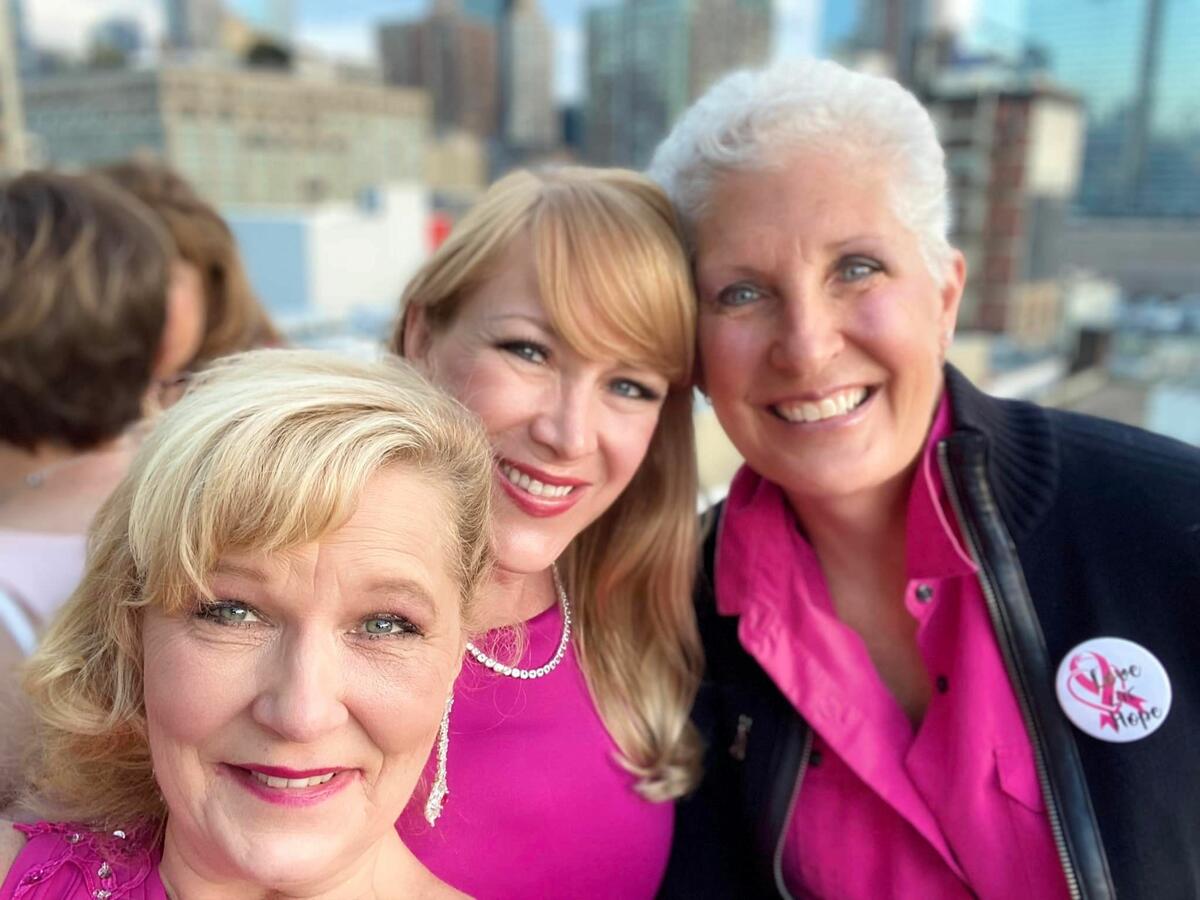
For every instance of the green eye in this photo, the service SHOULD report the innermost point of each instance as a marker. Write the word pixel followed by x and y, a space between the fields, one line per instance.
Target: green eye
pixel 380 626
pixel 227 612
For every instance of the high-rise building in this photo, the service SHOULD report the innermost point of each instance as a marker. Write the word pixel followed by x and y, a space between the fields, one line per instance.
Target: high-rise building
pixel 1013 147
pixel 193 25
pixel 911 39
pixel 120 36
pixel 243 137
pixel 12 120
pixel 27 55
pixel 490 11
pixel 1136 63
pixel 726 35
pixel 527 78
pixel 648 59
pixel 453 57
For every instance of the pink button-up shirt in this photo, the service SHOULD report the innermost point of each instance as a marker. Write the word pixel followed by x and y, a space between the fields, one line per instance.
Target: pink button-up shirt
pixel 949 809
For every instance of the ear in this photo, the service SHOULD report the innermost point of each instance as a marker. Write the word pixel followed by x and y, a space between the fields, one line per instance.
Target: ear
pixel 184 323
pixel 950 296
pixel 416 337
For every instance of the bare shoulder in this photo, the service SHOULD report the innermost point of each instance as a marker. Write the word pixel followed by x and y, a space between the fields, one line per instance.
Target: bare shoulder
pixel 11 842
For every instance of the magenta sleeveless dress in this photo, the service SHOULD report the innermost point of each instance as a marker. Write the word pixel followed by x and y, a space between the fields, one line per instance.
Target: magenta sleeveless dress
pixel 64 861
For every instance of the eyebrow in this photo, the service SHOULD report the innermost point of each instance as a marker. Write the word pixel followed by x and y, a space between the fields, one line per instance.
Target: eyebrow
pixel 404 587
pixel 868 237
pixel 248 572
pixel 537 321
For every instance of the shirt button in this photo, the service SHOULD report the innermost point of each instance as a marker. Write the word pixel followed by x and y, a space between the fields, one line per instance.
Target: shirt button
pixel 814 758
pixel 943 684
pixel 924 593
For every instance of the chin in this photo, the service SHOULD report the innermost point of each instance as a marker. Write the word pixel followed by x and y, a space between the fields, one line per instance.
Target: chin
pixel 524 552
pixel 280 861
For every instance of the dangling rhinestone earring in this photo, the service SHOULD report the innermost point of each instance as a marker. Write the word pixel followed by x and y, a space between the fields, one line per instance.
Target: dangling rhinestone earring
pixel 437 794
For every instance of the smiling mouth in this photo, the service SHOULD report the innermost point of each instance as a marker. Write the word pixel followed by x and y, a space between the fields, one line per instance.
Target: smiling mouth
pixel 532 486
pixel 291 783
pixel 833 406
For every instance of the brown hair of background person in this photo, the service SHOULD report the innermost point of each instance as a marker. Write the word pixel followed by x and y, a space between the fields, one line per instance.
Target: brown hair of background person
pixel 84 273
pixel 235 320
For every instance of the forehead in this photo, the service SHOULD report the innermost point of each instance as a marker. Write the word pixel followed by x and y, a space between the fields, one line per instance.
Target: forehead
pixel 814 194
pixel 397 538
pixel 597 321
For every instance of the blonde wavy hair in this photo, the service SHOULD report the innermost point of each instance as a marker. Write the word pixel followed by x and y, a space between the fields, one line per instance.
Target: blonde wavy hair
pixel 270 449
pixel 615 282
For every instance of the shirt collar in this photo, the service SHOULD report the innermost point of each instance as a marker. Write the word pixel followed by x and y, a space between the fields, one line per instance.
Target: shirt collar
pixel 757 535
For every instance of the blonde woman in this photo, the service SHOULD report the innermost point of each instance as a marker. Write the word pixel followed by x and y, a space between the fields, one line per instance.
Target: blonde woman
pixel 560 312
pixel 239 699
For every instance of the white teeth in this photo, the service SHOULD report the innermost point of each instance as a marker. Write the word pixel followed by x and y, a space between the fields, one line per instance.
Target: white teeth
pixel 532 485
pixel 838 404
pixel 272 781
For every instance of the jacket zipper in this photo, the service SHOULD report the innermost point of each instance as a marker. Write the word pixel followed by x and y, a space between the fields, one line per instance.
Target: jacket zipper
pixel 777 864
pixel 995 614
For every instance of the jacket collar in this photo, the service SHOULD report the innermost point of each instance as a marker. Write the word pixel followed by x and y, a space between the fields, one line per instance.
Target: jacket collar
pixel 1020 448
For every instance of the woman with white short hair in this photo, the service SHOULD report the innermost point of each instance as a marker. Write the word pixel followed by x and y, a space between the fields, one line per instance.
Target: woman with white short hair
pixel 950 639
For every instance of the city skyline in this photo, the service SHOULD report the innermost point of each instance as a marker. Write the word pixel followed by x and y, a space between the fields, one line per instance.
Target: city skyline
pixel 346 29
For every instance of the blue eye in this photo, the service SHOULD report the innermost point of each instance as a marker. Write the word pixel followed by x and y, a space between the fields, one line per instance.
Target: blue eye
pixel 738 295
pixel 377 627
pixel 227 612
pixel 626 387
pixel 857 268
pixel 526 350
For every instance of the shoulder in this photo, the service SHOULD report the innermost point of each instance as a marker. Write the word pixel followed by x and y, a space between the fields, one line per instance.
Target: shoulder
pixel 12 842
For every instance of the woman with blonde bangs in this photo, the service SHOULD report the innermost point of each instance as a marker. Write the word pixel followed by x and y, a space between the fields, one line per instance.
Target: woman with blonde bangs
pixel 240 698
pixel 560 312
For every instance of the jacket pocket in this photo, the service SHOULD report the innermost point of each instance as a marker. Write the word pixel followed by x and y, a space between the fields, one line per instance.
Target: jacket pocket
pixel 1017 775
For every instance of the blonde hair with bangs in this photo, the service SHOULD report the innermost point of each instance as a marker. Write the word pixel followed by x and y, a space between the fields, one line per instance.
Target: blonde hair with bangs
pixel 614 280
pixel 270 449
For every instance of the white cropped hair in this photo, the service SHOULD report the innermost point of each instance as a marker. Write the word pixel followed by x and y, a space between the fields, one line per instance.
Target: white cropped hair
pixel 751 119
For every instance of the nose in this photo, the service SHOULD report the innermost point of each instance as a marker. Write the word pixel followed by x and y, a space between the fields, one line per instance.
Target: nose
pixel 809 333
pixel 566 423
pixel 301 696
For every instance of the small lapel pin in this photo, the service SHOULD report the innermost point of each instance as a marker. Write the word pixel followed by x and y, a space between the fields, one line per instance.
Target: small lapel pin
pixel 738 748
pixel 1113 689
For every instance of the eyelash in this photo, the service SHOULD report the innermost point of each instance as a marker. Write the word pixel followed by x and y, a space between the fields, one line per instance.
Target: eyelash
pixel 640 391
pixel 872 266
pixel 210 612
pixel 843 265
pixel 525 349
pixel 723 296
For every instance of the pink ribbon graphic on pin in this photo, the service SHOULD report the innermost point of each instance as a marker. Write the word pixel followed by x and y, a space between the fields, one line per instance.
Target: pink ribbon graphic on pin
pixel 1102 686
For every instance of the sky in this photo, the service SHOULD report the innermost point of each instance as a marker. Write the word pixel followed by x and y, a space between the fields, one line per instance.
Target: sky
pixel 345 28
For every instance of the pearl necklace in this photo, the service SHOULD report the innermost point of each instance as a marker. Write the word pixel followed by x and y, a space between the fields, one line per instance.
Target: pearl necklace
pixel 512 671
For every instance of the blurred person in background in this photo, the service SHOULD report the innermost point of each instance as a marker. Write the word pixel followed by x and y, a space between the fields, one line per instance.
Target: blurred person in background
pixel 85 334
pixel 239 699
pixel 559 310
pixel 950 639
pixel 208 266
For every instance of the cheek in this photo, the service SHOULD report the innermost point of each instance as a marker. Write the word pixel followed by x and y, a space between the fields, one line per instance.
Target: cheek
pixel 900 330
pixel 629 446
pixel 190 699
pixel 728 351
pixel 488 389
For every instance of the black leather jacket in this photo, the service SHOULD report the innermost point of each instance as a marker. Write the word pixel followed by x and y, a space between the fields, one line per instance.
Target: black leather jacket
pixel 1081 528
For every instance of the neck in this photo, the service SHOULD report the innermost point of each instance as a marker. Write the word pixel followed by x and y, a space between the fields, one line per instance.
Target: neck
pixel 16 464
pixel 864 528
pixel 384 869
pixel 514 597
